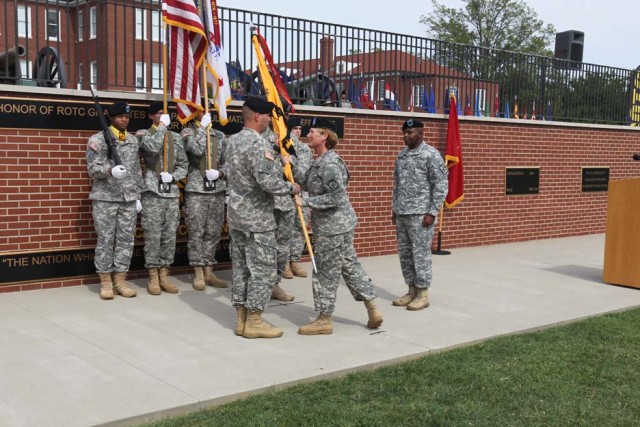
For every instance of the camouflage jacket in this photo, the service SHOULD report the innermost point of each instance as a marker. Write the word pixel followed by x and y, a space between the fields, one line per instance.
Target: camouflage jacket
pixel 326 181
pixel 420 181
pixel 195 144
pixel 253 178
pixel 106 187
pixel 152 144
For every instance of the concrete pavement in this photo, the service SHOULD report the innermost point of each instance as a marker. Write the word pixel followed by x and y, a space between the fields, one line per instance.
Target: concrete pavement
pixel 69 359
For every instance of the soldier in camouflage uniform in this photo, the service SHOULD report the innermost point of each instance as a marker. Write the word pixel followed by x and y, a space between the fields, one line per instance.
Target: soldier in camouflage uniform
pixel 304 158
pixel 116 202
pixel 204 205
pixel 253 178
pixel 334 222
pixel 419 188
pixel 161 209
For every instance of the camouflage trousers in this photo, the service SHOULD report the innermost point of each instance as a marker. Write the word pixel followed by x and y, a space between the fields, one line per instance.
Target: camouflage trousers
pixel 284 233
pixel 414 249
pixel 296 247
pixel 253 257
pixel 114 223
pixel 204 219
pixel 160 219
pixel 335 257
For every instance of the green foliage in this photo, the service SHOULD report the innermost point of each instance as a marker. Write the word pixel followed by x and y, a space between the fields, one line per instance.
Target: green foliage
pixel 581 374
pixel 492 24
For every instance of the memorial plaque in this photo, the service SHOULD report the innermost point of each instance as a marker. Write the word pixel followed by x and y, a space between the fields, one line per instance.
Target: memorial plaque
pixel 595 179
pixel 522 181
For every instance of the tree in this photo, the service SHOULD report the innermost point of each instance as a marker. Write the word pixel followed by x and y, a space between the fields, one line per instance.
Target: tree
pixel 494 24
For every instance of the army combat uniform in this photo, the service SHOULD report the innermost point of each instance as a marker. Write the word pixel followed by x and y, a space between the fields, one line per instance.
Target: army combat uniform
pixel 160 210
pixel 204 209
pixel 253 178
pixel 114 200
pixel 419 188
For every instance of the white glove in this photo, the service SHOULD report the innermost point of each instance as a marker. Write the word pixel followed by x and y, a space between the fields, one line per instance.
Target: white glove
pixel 118 172
pixel 166 177
pixel 212 174
pixel 206 120
pixel 138 206
pixel 165 119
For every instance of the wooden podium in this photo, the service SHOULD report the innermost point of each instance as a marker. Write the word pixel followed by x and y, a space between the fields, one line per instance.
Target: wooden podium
pixel 622 239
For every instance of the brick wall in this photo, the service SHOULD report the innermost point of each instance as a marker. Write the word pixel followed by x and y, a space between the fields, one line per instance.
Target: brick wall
pixel 44 205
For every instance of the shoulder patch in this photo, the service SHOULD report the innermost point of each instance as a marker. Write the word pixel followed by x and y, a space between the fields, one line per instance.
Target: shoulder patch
pixel 443 168
pixel 268 155
pixel 333 185
pixel 94 146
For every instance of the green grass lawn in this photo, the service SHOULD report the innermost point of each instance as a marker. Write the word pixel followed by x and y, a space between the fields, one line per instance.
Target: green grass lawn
pixel 583 374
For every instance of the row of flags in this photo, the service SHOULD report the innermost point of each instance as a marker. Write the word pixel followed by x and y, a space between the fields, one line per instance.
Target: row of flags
pixel 194 40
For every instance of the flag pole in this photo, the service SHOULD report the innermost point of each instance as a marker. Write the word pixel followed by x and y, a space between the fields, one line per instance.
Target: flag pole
pixel 164 188
pixel 439 251
pixel 205 87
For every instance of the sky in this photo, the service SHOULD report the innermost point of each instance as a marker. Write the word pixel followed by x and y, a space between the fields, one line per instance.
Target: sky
pixel 610 27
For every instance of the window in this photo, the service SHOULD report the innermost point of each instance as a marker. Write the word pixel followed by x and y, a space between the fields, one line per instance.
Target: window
pixel 80 25
pixel 80 72
pixel 418 96
pixel 93 23
pixel 141 77
pixel 26 69
pixel 24 21
pixel 93 74
pixel 156 78
pixel 141 24
pixel 157 35
pixel 52 22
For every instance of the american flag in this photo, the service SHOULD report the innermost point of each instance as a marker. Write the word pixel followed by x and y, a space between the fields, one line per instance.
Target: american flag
pixel 187 48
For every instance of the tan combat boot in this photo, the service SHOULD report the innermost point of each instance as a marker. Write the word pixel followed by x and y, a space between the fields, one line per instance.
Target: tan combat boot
pixel 279 294
pixel 375 317
pixel 106 286
pixel 166 284
pixel 211 279
pixel 321 326
pixel 255 327
pixel 241 319
pixel 198 279
pixel 287 274
pixel 420 301
pixel 121 287
pixel 405 299
pixel 297 270
pixel 154 282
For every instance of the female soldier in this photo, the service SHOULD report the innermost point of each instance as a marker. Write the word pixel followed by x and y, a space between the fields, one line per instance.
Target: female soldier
pixel 334 222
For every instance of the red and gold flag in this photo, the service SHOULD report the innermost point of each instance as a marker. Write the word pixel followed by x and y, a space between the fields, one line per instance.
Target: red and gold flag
pixel 453 158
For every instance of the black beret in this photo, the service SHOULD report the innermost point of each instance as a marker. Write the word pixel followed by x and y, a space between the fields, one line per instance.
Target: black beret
pixel 155 107
pixel 412 123
pixel 322 123
pixel 118 108
pixel 231 128
pixel 293 122
pixel 259 105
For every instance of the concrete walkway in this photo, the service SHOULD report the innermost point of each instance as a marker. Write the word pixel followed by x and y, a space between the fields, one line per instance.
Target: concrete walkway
pixel 69 359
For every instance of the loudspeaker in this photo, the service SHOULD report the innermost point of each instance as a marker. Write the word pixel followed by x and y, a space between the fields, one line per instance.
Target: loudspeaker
pixel 569 46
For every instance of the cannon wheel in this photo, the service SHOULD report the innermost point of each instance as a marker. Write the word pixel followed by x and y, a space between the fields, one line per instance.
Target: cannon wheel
pixel 48 68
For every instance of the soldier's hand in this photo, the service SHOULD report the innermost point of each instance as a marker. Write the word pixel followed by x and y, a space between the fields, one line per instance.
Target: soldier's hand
pixel 118 172
pixel 165 120
pixel 138 206
pixel 298 200
pixel 206 120
pixel 296 188
pixel 212 174
pixel 285 160
pixel 166 177
pixel 428 220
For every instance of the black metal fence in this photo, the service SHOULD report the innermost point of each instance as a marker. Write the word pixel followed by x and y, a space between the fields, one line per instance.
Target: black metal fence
pixel 117 45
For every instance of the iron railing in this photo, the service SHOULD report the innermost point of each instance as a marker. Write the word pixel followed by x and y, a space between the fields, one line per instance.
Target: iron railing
pixel 115 45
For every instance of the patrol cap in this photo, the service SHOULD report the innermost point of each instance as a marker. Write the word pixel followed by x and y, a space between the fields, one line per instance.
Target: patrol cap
pixel 155 107
pixel 259 105
pixel 118 108
pixel 412 123
pixel 293 122
pixel 322 123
